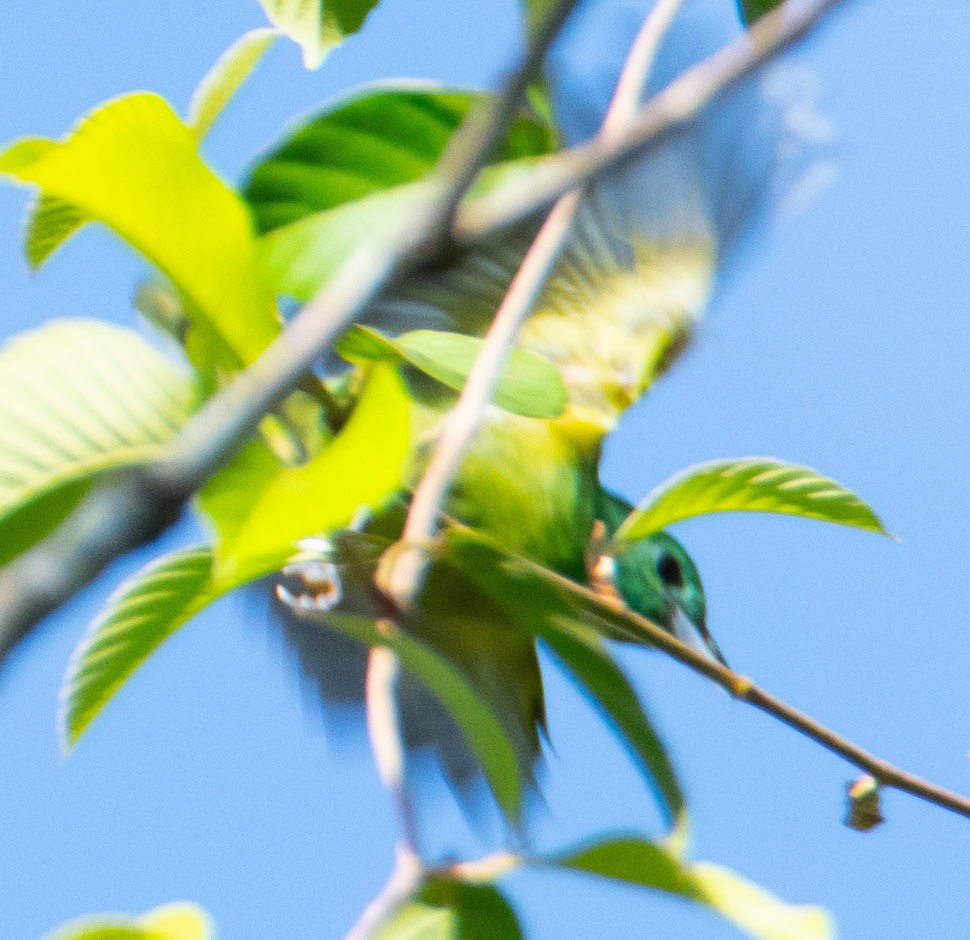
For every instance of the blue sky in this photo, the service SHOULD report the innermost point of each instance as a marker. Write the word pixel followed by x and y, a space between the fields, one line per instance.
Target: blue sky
pixel 841 343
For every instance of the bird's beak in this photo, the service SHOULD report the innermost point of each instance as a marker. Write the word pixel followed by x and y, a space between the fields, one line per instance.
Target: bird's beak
pixel 695 635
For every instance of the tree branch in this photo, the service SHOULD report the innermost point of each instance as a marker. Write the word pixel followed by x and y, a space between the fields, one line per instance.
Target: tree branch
pixel 401 576
pixel 630 627
pixel 144 502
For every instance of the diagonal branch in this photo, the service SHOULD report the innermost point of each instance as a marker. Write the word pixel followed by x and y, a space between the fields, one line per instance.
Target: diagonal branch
pixel 401 576
pixel 142 504
pixel 629 626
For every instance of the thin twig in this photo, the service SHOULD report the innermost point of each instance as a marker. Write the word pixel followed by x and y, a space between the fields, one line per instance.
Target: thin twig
pixel 665 113
pixel 629 626
pixel 143 503
pixel 383 727
pixel 404 880
pixel 402 577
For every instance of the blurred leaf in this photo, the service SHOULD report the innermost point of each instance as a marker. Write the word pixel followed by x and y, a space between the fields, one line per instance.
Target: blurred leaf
pixel 134 166
pixel 260 510
pixel 77 398
pixel 379 138
pixel 482 913
pixel 50 222
pixel 540 607
pixel 749 484
pixel 417 921
pixel 173 922
pixel 752 10
pixel 482 730
pixel 318 25
pixel 300 256
pixel 224 79
pixel 530 385
pixel 746 905
pixel 138 617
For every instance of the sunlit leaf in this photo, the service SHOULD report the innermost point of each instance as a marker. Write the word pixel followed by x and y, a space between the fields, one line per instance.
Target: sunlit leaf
pixel 540 606
pixel 482 730
pixel 261 511
pixel 748 906
pixel 417 921
pixel 381 137
pixel 77 398
pixel 750 484
pixel 141 614
pixel 529 385
pixel 172 922
pixel 318 25
pixel 135 166
pixel 223 80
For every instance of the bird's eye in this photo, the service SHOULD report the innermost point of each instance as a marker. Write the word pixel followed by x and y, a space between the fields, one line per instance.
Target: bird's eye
pixel 669 570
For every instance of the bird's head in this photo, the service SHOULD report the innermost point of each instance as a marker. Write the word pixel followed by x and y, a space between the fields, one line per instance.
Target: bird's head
pixel 657 578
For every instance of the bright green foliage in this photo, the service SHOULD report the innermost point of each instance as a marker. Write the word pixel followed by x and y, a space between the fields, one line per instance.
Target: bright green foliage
pixel 318 25
pixel 142 613
pixel 171 922
pixel 135 166
pixel 482 730
pixel 529 385
pixel 260 509
pixel 77 398
pixel 378 139
pixel 447 909
pixel 224 79
pixel 749 484
pixel 750 908
pixel 754 9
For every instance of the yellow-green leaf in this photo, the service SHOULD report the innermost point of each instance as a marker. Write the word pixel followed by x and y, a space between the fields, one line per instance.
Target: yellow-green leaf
pixel 749 484
pixel 530 385
pixel 749 907
pixel 78 397
pixel 180 921
pixel 133 165
pixel 360 469
pixel 138 617
pixel 224 79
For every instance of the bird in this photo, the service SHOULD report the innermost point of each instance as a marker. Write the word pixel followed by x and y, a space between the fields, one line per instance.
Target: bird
pixel 642 258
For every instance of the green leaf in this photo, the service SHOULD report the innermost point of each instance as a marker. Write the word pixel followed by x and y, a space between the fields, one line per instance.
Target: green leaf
pixel 417 921
pixel 748 906
pixel 138 617
pixel 530 385
pixel 260 510
pixel 50 222
pixel 482 730
pixel 538 605
pixel 749 484
pixel 224 79
pixel 752 10
pixel 482 911
pixel 134 166
pixel 380 138
pixel 77 398
pixel 172 922
pixel 318 25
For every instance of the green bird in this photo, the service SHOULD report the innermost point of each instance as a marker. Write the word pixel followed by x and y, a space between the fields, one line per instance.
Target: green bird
pixel 623 300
